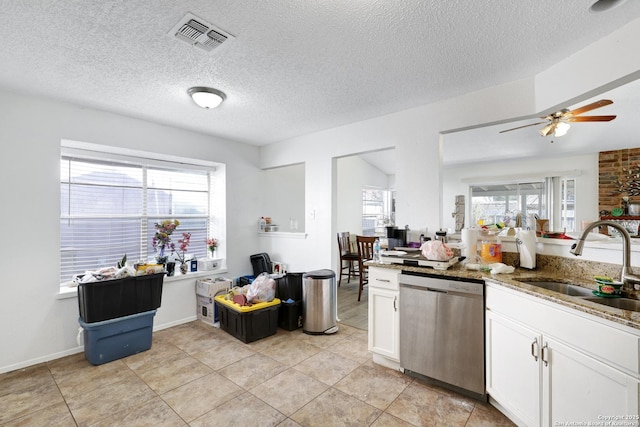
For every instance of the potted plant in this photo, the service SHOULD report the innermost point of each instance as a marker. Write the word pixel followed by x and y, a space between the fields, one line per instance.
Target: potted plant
pixel 162 239
pixel 181 253
pixel 212 244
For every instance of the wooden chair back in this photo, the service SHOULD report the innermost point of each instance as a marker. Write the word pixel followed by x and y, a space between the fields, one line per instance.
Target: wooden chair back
pixel 365 247
pixel 344 243
pixel 365 253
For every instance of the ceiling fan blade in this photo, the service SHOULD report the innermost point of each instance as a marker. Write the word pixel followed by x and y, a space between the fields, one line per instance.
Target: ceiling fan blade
pixel 520 127
pixel 590 107
pixel 590 119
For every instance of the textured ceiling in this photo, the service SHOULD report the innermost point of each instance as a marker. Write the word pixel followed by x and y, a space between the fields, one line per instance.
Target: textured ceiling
pixel 294 67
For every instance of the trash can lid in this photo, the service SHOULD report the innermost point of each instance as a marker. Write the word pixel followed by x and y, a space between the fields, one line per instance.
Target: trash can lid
pixel 320 274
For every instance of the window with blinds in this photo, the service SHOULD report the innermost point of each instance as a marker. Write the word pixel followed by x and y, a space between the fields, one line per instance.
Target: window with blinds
pixel 378 210
pixel 109 208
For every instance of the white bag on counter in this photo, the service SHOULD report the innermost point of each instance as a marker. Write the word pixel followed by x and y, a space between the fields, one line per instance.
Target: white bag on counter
pixel 435 250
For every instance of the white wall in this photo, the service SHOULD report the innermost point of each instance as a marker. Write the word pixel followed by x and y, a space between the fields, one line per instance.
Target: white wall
pixel 586 182
pixel 283 189
pixel 36 325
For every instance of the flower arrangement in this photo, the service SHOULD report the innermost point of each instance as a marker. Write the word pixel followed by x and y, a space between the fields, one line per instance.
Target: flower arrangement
pixel 182 248
pixel 162 239
pixel 212 244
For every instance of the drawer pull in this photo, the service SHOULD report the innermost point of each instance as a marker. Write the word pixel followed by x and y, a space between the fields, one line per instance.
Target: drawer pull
pixel 534 349
pixel 544 354
pixel 383 280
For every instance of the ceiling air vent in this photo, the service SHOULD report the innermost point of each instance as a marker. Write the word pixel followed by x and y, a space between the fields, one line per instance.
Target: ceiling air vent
pixel 198 32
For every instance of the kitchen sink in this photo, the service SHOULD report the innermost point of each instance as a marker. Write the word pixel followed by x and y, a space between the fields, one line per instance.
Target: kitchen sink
pixel 622 303
pixel 563 288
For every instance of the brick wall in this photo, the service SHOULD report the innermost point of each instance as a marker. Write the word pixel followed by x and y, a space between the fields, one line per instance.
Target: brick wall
pixel 617 171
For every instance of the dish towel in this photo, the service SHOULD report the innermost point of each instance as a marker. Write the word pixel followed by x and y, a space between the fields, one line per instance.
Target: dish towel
pixel 500 268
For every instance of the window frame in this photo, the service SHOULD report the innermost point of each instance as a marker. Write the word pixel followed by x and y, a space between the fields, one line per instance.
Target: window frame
pixel 383 219
pixel 554 199
pixel 214 217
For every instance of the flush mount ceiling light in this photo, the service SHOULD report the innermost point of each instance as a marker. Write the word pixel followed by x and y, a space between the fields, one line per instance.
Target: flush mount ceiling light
pixel 206 97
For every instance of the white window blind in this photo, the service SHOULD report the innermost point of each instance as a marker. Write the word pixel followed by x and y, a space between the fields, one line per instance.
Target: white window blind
pixel 109 209
pixel 378 210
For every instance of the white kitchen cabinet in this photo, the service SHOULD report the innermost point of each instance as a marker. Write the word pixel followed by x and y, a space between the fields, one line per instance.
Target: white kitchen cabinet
pixel 513 374
pixel 547 365
pixel 580 388
pixel 384 316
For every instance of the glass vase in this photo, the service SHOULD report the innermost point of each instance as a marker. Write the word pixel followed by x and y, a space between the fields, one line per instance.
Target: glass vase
pixel 171 268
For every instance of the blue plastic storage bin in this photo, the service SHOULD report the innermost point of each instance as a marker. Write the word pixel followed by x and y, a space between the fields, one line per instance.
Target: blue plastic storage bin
pixel 117 338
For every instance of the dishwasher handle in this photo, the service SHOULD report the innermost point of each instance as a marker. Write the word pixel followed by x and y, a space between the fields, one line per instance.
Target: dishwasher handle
pixel 441 291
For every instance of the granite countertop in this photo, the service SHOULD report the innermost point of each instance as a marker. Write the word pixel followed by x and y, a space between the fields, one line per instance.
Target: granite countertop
pixel 515 281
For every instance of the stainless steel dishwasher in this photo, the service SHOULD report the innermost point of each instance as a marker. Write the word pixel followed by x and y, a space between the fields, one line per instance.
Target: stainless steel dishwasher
pixel 442 331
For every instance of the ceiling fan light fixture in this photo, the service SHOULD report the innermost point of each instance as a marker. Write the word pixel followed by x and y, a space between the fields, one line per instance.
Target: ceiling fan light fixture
pixel 545 131
pixel 206 97
pixel 561 129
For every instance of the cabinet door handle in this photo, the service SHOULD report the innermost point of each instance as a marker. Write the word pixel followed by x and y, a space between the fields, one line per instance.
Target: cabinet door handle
pixel 544 354
pixel 383 280
pixel 534 349
pixel 395 307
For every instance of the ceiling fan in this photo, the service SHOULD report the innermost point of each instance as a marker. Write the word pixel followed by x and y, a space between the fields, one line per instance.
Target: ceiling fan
pixel 557 123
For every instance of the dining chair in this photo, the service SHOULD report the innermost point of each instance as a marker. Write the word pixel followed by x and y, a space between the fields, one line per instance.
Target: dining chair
pixel 346 256
pixel 365 253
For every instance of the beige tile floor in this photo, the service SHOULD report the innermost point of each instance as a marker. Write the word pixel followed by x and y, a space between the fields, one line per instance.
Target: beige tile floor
pixel 351 311
pixel 197 375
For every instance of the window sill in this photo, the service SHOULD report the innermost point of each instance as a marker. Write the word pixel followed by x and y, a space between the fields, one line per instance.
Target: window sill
pixel 283 234
pixel 71 291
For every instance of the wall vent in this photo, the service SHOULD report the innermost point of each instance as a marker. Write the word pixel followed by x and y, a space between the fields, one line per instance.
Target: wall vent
pixel 198 32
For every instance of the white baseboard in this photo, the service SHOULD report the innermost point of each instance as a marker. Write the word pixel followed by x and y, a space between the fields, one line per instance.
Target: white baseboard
pixel 174 323
pixel 43 359
pixel 80 349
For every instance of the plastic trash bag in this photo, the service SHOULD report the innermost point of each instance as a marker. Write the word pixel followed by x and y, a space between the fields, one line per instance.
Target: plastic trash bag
pixel 262 289
pixel 435 250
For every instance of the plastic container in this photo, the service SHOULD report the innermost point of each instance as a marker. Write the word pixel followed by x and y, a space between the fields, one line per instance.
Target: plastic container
pixel 111 299
pixel 248 323
pixel 117 338
pixel 289 287
pixel 290 315
pixel 261 263
pixel 245 280
pixel 376 250
pixel 491 249
pixel 262 224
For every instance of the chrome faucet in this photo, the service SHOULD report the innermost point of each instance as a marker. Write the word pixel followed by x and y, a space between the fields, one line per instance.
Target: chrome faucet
pixel 627 277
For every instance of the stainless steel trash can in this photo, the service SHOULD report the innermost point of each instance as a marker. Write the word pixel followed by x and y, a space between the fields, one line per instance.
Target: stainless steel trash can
pixel 319 302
